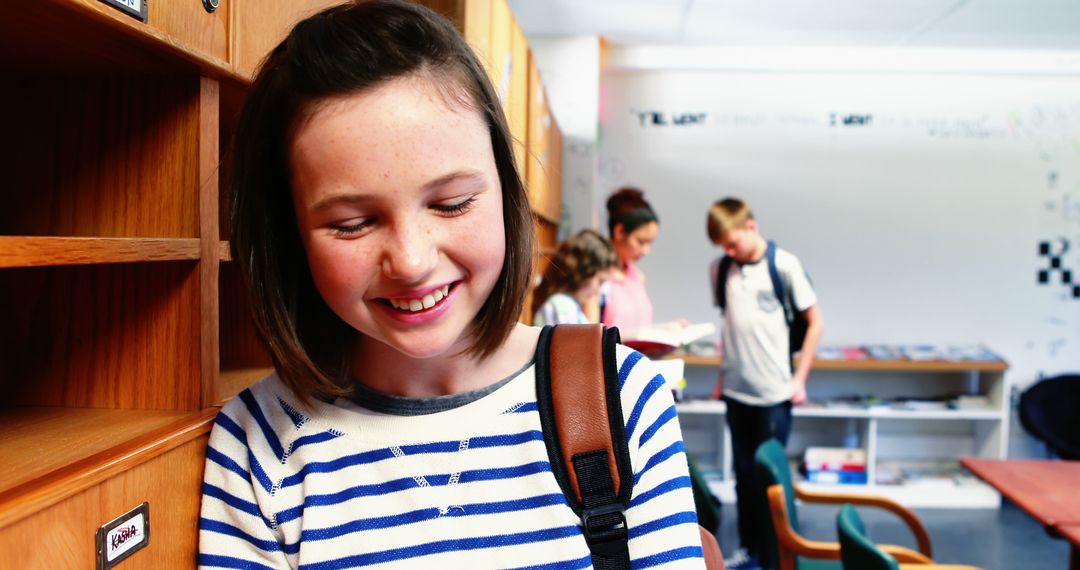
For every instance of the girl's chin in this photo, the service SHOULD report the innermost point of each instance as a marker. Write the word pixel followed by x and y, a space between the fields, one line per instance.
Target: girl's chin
pixel 423 347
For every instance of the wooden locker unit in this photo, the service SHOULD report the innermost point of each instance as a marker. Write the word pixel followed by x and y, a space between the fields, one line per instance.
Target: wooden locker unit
pixel 502 51
pixel 110 269
pixel 553 196
pixel 544 172
pixel 126 322
pixel 476 25
pixel 517 103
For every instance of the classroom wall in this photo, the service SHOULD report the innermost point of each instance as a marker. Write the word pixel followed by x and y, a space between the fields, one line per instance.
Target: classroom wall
pixel 918 198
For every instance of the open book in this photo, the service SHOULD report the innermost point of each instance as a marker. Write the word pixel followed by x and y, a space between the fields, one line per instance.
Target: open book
pixel 659 339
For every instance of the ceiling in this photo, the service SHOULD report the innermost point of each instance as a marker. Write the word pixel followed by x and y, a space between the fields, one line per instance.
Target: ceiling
pixel 978 24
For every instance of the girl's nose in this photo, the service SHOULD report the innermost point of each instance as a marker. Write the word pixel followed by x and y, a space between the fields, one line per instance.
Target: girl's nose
pixel 410 254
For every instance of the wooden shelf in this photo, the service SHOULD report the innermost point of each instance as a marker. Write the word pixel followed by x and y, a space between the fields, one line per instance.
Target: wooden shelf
pixel 876 365
pixel 232 382
pixel 717 407
pixel 89 36
pixel 917 432
pixel 52 453
pixel 32 251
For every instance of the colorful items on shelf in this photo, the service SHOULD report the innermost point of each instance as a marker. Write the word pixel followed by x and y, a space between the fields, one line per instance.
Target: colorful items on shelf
pixel 835 465
pixel 913 352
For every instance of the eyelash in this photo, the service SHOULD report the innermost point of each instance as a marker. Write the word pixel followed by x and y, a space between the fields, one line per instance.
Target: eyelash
pixel 347 231
pixel 456 209
pixel 451 210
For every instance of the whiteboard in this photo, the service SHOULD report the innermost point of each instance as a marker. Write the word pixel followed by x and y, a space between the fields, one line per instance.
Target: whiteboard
pixel 917 202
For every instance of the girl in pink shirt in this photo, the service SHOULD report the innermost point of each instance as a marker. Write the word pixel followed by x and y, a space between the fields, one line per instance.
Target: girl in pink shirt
pixel 633 226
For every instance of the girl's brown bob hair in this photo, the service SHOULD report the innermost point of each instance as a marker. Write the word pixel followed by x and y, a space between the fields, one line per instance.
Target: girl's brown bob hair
pixel 341 51
pixel 580 258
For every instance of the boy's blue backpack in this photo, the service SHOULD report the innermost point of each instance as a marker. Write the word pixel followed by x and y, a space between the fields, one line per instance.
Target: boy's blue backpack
pixel 795 320
pixel 580 408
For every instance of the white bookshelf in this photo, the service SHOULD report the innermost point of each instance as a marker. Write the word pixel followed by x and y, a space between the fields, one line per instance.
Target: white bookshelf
pixel 890 437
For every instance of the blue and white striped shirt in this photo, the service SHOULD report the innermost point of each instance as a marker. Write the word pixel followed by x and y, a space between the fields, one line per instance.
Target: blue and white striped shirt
pixel 339 486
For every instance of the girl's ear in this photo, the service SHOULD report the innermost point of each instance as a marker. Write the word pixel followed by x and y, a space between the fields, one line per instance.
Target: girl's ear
pixel 619 233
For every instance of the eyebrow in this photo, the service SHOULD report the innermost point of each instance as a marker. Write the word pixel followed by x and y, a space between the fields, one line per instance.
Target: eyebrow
pixel 329 202
pixel 473 177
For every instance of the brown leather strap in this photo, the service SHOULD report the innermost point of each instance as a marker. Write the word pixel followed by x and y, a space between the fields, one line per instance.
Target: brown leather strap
pixel 579 401
pixel 578 395
pixel 714 558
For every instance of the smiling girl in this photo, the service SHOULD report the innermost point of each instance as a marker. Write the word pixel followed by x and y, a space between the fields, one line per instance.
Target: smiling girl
pixel 385 239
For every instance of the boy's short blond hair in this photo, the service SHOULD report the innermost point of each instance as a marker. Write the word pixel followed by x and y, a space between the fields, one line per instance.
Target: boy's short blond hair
pixel 726 215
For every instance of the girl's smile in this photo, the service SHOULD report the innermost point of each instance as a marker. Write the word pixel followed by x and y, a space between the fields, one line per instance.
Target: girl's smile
pixel 419 306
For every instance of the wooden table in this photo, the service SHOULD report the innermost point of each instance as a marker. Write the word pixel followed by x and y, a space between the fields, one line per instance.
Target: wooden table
pixel 1045 489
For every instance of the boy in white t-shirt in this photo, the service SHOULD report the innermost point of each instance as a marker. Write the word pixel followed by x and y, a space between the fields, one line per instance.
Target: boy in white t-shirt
pixel 757 379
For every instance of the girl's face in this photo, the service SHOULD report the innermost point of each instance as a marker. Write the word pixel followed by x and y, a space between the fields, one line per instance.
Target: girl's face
pixel 635 245
pixel 399 208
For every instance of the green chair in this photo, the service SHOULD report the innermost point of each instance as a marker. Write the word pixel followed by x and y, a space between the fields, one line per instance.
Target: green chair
pixel 858 553
pixel 786 548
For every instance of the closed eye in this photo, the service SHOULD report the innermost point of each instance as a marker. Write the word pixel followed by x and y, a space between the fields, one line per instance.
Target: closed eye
pixel 351 230
pixel 455 209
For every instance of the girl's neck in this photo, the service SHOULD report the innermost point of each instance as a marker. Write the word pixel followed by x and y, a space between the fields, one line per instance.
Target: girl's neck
pixel 384 369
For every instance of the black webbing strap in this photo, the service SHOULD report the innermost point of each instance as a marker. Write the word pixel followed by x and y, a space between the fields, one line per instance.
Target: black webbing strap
pixel 602 518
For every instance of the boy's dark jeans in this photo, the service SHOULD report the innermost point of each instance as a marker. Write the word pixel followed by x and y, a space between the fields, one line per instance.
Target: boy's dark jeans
pixel 750 427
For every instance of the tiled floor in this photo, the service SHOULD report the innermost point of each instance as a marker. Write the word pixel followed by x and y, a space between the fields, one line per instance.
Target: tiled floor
pixel 1005 539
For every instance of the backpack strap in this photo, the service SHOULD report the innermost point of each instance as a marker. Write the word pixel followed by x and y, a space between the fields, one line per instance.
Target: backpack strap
pixel 777 283
pixel 783 293
pixel 721 282
pixel 581 417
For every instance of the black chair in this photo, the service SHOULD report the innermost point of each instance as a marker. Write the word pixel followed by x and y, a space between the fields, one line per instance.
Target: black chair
pixel 1050 411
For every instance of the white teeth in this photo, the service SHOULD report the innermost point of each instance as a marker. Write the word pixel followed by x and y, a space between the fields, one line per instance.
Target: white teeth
pixel 428 301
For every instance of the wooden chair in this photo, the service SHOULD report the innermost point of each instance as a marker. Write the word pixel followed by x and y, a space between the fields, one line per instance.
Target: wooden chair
pixel 795 552
pixel 858 553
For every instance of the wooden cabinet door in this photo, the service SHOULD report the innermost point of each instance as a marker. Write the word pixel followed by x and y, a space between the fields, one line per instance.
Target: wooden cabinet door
pixel 262 24
pixel 189 23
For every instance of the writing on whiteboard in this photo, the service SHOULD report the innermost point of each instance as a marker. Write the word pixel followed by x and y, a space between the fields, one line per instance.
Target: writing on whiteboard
pixel 662 119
